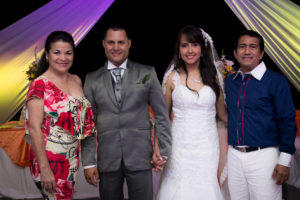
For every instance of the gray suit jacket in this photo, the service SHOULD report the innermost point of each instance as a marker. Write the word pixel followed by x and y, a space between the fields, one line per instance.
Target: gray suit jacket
pixel 124 132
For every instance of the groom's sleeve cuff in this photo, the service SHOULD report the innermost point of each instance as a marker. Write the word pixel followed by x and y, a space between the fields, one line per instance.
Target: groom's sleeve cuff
pixel 88 166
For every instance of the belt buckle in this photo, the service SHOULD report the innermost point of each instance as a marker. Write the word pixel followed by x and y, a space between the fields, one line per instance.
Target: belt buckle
pixel 243 149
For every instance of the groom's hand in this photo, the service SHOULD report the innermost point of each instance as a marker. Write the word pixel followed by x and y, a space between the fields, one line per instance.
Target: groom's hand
pixel 92 176
pixel 157 161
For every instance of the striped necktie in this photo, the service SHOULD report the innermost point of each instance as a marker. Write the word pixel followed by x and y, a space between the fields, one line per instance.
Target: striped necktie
pixel 117 73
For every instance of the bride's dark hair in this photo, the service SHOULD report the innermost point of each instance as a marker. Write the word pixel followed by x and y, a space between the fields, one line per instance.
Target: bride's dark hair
pixel 207 69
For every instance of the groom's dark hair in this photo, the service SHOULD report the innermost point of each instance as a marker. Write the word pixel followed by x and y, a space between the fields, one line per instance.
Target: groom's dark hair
pixel 116 27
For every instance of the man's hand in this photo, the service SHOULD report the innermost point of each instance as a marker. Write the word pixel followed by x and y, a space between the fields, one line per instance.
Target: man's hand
pixel 281 173
pixel 91 175
pixel 157 160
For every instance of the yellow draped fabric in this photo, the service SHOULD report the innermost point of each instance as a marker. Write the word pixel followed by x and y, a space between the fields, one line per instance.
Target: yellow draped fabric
pixel 278 21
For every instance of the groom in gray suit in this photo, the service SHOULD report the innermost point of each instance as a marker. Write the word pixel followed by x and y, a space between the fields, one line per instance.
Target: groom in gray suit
pixel 120 93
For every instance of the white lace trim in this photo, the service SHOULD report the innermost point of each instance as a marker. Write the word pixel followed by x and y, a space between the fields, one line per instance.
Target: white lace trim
pixel 166 76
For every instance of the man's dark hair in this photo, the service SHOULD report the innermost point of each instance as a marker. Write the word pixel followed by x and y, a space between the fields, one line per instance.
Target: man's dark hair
pixel 251 33
pixel 116 27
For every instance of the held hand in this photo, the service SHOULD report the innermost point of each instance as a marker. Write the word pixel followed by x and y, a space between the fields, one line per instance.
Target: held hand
pixel 281 173
pixel 157 160
pixel 156 167
pixel 91 175
pixel 48 180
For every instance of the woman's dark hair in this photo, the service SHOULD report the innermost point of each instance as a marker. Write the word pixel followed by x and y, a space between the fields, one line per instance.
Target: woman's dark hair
pixel 53 37
pixel 207 69
pixel 251 33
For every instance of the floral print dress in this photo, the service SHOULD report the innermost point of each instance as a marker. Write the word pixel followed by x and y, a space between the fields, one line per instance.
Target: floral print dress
pixel 66 121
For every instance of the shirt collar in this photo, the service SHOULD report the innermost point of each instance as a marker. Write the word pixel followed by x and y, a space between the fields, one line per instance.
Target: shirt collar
pixel 111 66
pixel 257 72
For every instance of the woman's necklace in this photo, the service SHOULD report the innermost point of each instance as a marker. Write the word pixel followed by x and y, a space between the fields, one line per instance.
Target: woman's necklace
pixel 62 85
pixel 195 80
pixel 66 86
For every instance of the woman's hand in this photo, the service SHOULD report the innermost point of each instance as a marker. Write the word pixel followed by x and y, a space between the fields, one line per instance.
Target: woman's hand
pixel 47 179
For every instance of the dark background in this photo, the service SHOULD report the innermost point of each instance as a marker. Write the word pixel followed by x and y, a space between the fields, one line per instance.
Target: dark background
pixel 153 27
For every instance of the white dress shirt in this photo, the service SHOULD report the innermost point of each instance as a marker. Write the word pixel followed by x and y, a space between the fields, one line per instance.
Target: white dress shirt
pixel 111 66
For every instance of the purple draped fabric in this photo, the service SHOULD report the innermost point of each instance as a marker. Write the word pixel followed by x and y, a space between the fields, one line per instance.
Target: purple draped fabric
pixel 19 41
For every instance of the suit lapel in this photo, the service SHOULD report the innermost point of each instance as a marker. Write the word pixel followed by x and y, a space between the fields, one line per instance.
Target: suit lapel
pixel 127 80
pixel 109 87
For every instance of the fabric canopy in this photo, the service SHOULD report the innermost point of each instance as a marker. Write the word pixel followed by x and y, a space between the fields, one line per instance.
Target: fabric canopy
pixel 278 21
pixel 19 41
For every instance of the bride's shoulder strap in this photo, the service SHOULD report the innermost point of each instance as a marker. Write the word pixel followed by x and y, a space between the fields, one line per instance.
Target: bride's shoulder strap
pixel 175 77
pixel 171 73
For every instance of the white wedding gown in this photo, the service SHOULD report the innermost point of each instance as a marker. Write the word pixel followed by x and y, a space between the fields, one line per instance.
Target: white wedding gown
pixel 191 171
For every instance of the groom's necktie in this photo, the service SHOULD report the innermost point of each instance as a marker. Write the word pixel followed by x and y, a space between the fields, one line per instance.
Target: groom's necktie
pixel 117 74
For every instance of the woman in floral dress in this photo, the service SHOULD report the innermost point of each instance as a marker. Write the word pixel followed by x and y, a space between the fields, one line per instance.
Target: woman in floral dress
pixel 58 116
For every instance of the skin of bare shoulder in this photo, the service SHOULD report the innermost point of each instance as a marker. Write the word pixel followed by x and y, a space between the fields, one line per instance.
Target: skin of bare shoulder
pixel 75 85
pixel 76 79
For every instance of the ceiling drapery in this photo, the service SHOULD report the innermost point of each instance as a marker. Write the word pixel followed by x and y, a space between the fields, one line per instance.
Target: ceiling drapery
pixel 278 21
pixel 19 41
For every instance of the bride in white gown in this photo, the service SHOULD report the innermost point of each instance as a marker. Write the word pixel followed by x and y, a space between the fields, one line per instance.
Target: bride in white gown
pixel 194 95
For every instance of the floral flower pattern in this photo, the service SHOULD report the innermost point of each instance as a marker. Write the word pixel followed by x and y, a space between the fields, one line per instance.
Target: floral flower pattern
pixel 66 120
pixel 225 66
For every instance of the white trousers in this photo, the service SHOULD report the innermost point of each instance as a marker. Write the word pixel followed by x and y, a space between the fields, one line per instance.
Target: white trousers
pixel 250 174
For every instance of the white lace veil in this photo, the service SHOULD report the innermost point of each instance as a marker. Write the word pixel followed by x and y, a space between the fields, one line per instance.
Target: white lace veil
pixel 212 54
